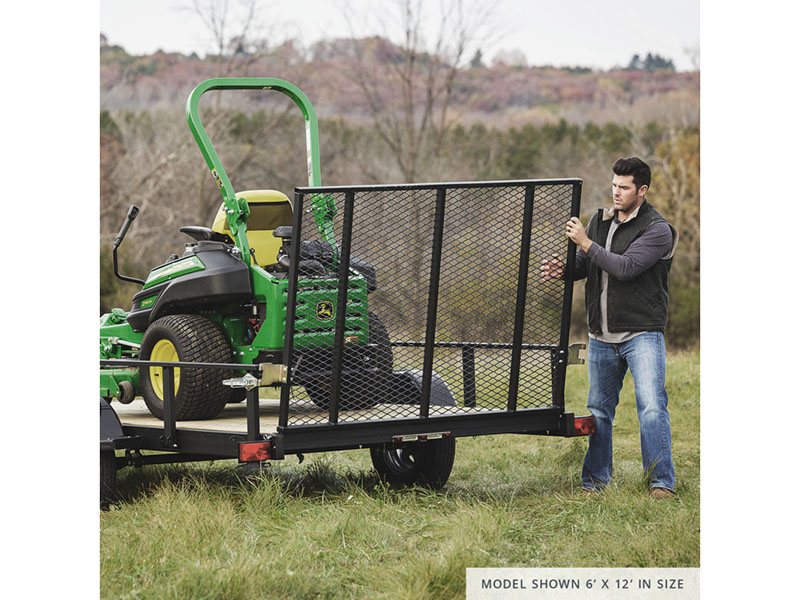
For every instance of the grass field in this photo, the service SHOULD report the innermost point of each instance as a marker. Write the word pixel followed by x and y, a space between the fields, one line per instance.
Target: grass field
pixel 329 529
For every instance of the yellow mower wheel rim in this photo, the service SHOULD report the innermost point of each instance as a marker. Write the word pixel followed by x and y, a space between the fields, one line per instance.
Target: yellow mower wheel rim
pixel 163 351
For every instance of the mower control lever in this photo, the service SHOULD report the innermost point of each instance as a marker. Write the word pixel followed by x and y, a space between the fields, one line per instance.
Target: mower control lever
pixel 133 212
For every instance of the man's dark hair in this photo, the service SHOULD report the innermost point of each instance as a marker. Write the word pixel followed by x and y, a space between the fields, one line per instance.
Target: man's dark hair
pixel 634 166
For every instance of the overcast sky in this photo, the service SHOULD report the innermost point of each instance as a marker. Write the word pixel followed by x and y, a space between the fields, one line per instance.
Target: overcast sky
pixel 596 33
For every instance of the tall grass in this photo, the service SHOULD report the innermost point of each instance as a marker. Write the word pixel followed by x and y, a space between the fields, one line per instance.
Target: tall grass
pixel 330 529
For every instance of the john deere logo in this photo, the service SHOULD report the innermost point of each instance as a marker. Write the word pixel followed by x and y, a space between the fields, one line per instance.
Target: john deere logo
pixel 324 310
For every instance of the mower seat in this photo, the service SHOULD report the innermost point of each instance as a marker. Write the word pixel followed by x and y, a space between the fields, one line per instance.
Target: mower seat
pixel 268 209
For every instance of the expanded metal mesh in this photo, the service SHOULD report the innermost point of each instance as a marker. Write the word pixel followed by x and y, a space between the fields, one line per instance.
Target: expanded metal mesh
pixel 479 246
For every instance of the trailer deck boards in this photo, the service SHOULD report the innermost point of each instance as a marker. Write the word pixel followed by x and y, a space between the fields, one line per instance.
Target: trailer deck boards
pixel 233 418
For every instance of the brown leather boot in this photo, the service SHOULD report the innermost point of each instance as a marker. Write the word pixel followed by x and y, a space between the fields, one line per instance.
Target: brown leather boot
pixel 660 493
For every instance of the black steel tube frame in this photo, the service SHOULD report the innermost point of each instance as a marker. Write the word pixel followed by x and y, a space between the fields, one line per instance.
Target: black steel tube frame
pixel 253 420
pixel 341 303
pixel 135 362
pixel 560 359
pixel 291 298
pixel 210 444
pixel 169 407
pixel 317 438
pixel 468 367
pixel 439 185
pixel 479 345
pixel 165 458
pixel 433 303
pixel 522 289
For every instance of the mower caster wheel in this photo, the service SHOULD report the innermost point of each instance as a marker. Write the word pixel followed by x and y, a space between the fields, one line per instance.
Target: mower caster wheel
pixel 126 392
pixel 237 395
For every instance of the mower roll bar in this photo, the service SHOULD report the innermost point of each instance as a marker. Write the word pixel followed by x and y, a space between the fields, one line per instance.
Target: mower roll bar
pixel 238 210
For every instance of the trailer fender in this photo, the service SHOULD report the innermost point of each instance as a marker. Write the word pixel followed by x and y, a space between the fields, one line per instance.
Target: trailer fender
pixel 110 426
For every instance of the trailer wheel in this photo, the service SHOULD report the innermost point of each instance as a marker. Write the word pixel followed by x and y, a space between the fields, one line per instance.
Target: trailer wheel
pixel 427 463
pixel 361 390
pixel 108 478
pixel 199 393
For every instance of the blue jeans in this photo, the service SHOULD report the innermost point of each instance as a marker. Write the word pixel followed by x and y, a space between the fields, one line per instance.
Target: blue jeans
pixel 645 355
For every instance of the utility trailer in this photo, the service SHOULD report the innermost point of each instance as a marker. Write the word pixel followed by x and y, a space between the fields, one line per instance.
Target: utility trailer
pixel 390 317
pixel 465 338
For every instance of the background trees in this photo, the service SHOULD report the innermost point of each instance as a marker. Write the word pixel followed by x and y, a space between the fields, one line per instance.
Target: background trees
pixel 413 113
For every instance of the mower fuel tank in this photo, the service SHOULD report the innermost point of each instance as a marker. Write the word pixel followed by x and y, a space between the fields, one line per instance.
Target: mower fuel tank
pixel 207 274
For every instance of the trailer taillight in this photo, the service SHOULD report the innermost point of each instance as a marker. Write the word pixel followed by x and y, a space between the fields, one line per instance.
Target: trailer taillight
pixel 255 451
pixel 584 425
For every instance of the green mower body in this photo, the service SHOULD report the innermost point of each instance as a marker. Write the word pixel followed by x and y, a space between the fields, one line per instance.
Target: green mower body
pixel 215 303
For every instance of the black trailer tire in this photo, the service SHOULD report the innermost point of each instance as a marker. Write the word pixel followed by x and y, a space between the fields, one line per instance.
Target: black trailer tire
pixel 108 478
pixel 361 390
pixel 426 463
pixel 200 393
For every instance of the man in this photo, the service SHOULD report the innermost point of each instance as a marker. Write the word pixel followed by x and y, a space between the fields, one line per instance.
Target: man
pixel 625 256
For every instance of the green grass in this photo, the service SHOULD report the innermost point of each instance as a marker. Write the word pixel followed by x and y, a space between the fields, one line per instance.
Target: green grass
pixel 329 529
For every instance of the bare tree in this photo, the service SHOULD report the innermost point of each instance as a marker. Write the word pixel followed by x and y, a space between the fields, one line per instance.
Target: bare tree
pixel 408 86
pixel 217 17
pixel 232 29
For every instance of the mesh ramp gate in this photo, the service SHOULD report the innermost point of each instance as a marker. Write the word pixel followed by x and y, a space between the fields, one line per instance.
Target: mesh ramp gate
pixel 458 322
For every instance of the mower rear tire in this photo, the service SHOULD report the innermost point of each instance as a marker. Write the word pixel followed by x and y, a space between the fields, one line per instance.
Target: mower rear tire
pixel 426 463
pixel 363 389
pixel 199 393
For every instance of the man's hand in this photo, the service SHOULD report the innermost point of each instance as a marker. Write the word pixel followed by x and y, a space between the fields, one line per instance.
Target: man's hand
pixel 577 234
pixel 552 268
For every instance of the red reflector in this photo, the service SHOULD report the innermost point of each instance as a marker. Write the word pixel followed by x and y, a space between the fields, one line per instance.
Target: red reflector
pixel 254 451
pixel 584 425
